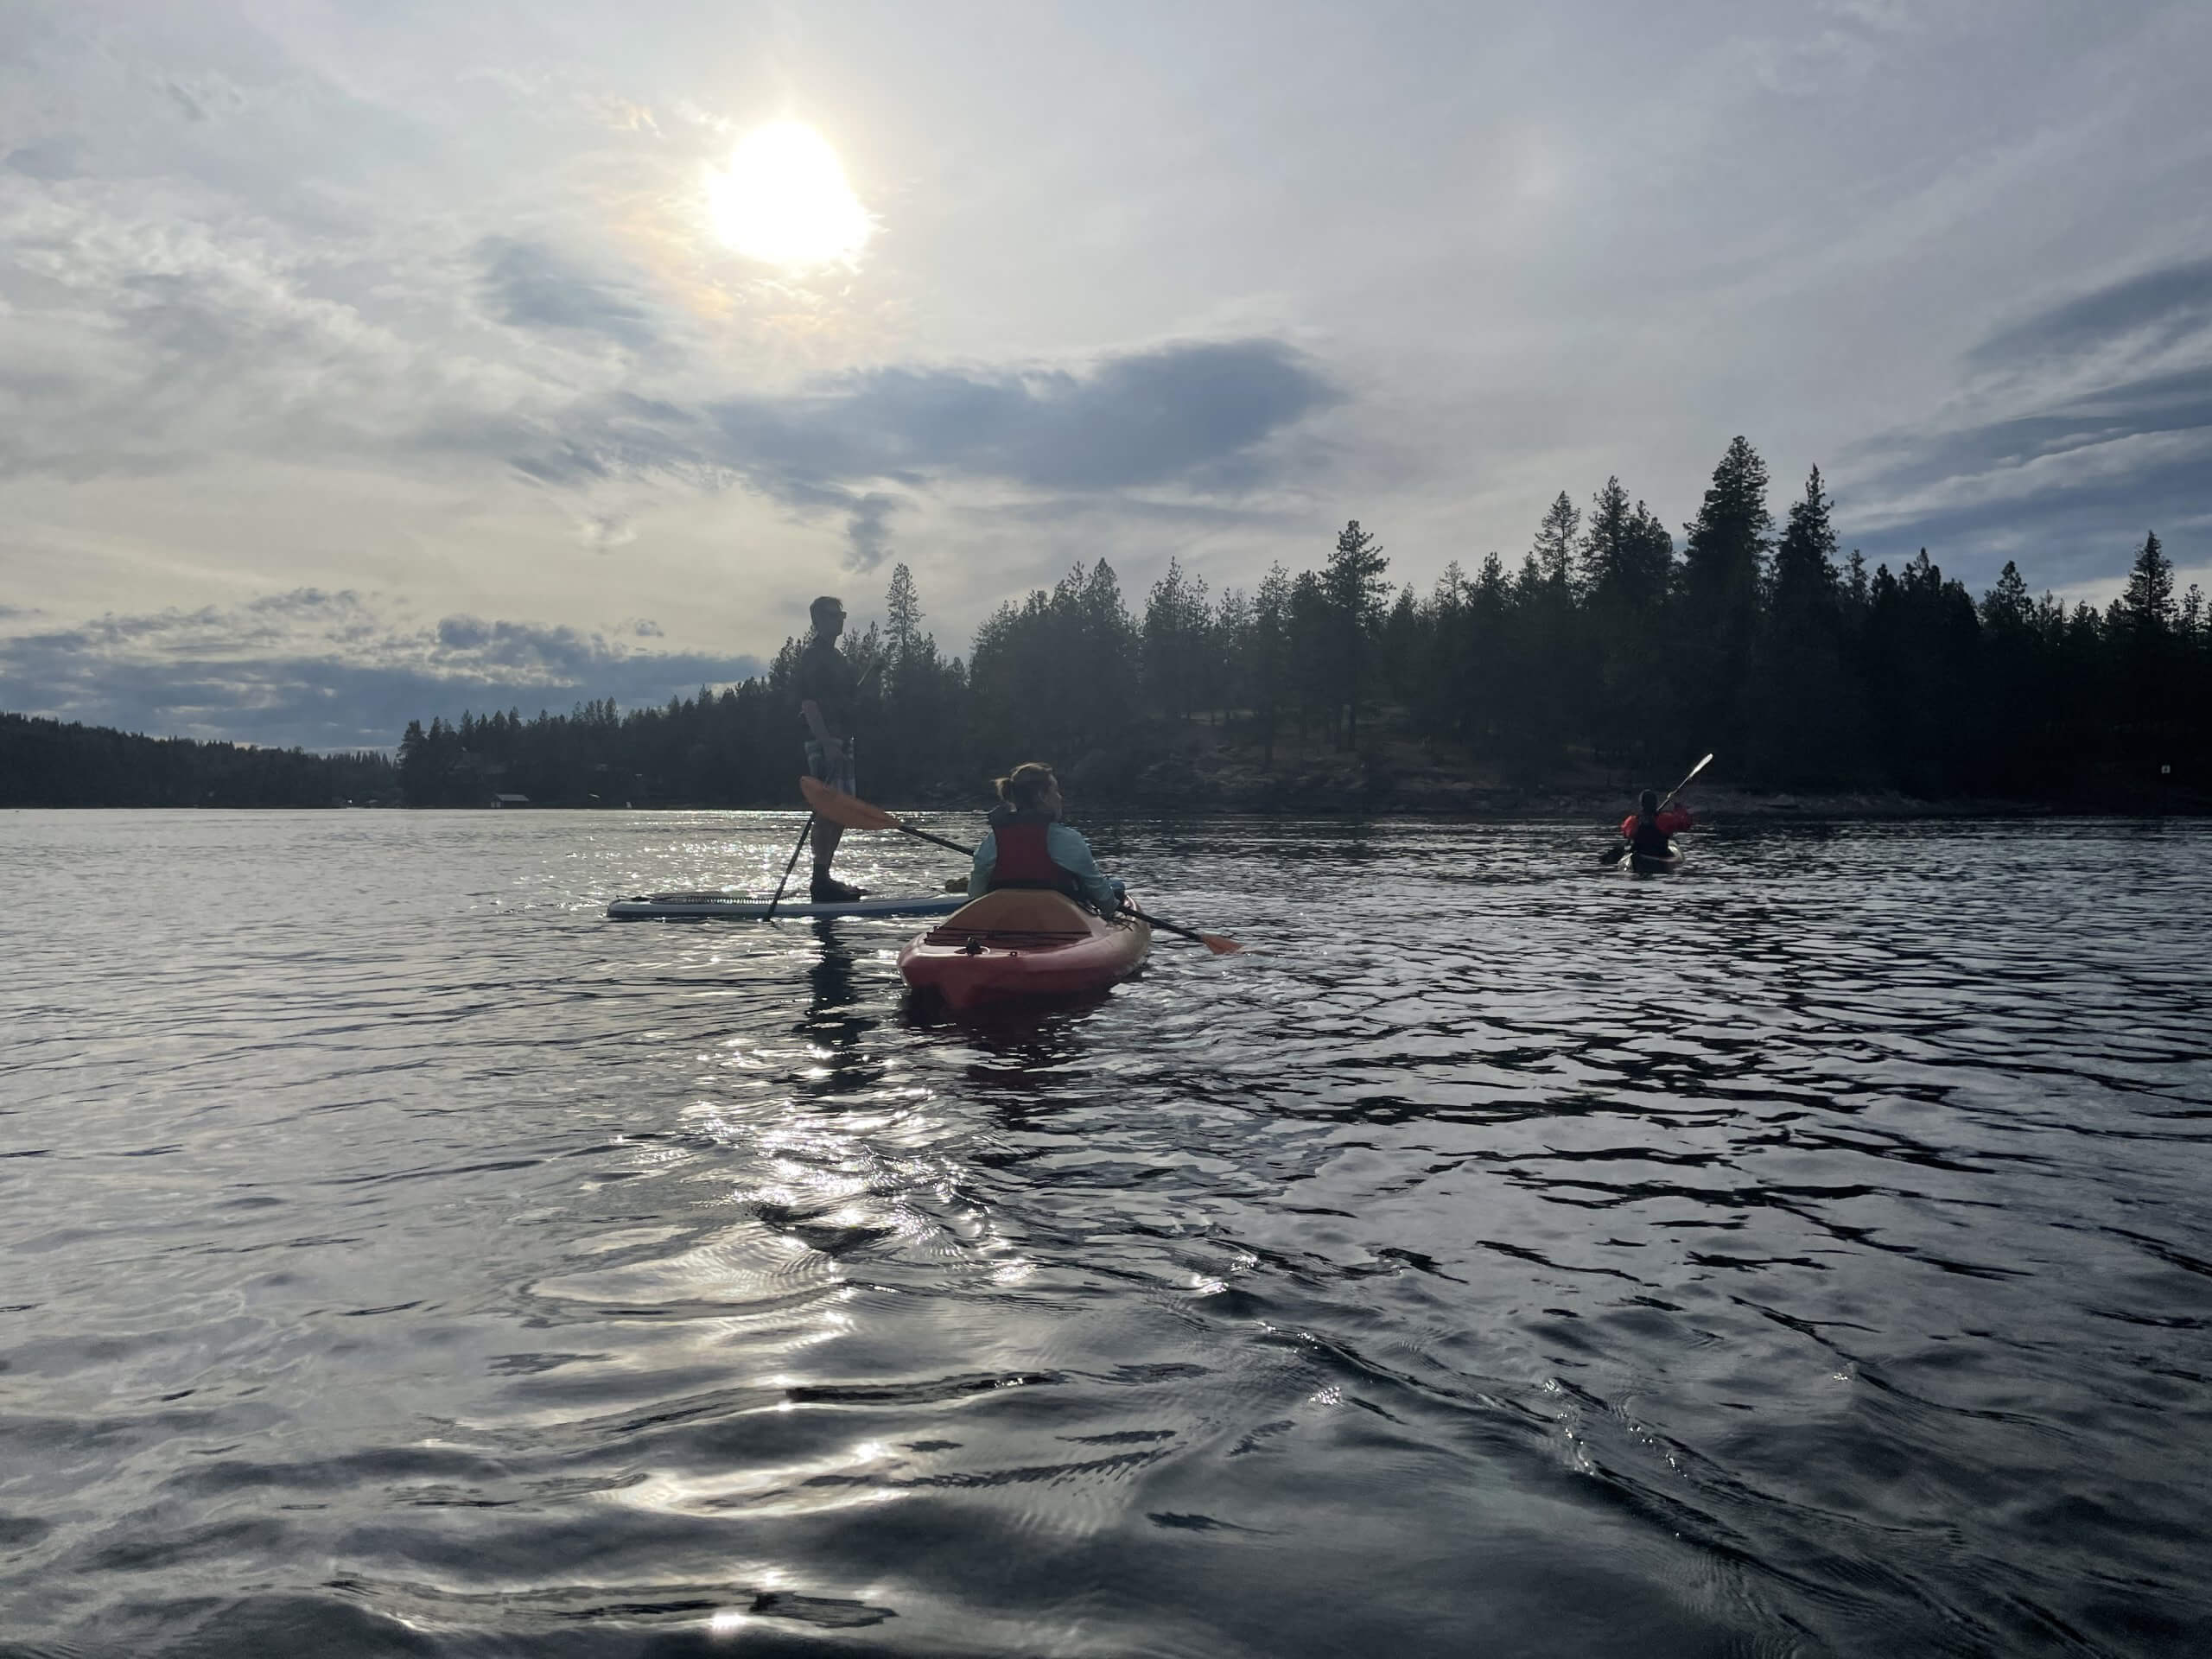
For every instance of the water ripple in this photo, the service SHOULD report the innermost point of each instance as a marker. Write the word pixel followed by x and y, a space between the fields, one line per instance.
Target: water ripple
pixel 1802 1254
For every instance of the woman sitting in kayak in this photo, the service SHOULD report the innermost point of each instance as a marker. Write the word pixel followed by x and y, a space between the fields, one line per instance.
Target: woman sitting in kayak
pixel 1027 846
pixel 1646 828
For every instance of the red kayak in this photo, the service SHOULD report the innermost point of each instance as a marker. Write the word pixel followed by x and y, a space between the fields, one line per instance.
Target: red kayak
pixel 1021 942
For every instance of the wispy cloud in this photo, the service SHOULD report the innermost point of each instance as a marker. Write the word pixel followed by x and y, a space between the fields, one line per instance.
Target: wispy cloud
pixel 1196 417
pixel 2079 428
pixel 330 669
pixel 2144 313
pixel 530 286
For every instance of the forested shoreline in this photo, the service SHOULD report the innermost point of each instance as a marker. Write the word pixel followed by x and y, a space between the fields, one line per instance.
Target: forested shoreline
pixel 54 762
pixel 1606 656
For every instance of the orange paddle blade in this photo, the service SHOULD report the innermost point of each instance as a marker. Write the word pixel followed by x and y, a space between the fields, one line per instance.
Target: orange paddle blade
pixel 840 808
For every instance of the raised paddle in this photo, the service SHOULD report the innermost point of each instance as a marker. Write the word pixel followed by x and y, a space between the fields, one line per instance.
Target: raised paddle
pixel 1614 855
pixel 856 814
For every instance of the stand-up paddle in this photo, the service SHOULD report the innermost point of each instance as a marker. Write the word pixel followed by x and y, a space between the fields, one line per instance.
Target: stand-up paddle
pixel 856 814
pixel 1613 856
pixel 804 831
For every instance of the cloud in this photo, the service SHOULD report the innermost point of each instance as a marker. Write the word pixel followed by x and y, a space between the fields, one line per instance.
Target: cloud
pixel 2156 308
pixel 2080 427
pixel 1180 413
pixel 329 669
pixel 48 161
pixel 869 533
pixel 267 262
pixel 1194 418
pixel 529 285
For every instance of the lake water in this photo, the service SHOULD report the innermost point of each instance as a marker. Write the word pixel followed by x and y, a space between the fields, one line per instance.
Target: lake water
pixel 1811 1253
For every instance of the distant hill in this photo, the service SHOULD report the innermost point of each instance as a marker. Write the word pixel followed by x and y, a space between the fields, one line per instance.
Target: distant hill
pixel 48 763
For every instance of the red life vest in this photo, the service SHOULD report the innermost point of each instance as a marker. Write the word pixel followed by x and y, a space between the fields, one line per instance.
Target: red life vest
pixel 1025 859
pixel 1673 820
pixel 1654 839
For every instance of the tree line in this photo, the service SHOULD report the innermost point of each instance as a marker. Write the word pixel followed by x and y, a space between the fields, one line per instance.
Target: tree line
pixel 48 763
pixel 1607 653
pixel 1607 649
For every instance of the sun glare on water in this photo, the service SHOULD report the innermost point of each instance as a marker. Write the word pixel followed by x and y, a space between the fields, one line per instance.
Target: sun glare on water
pixel 783 199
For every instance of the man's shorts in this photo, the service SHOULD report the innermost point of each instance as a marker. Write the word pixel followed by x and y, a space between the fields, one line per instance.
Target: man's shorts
pixel 837 776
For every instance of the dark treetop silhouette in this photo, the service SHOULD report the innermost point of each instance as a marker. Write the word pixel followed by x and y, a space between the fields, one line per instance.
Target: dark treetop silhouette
pixel 1605 649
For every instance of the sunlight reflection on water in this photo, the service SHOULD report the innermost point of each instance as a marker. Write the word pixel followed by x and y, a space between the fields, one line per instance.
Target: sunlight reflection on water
pixel 1803 1253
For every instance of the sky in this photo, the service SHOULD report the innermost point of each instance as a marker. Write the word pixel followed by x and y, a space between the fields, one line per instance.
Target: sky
pixel 365 360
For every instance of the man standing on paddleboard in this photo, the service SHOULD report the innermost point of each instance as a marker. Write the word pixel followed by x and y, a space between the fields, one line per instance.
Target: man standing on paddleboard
pixel 828 689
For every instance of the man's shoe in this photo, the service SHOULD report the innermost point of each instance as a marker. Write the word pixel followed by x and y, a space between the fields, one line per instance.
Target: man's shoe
pixel 827 890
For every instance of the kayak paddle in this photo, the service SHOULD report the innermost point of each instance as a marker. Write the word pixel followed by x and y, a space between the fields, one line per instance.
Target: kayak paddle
pixel 1213 942
pixel 856 814
pixel 1614 855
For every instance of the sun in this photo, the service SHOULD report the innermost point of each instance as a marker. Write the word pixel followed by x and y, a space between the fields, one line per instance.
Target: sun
pixel 783 199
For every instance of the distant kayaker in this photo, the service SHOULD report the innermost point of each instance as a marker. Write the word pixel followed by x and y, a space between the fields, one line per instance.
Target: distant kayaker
pixel 1646 828
pixel 1027 846
pixel 828 688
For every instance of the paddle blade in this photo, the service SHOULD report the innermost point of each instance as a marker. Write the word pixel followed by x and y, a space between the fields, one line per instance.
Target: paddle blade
pixel 840 808
pixel 1613 855
pixel 1219 945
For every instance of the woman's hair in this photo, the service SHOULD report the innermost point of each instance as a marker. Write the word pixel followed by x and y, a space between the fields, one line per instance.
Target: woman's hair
pixel 1649 803
pixel 1026 785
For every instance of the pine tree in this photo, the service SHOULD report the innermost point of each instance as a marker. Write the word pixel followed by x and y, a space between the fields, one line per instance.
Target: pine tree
pixel 1354 586
pixel 2143 625
pixel 1270 656
pixel 1316 642
pixel 1554 548
pixel 1800 697
pixel 2148 604
pixel 2014 675
pixel 1627 567
pixel 1722 566
pixel 1606 547
pixel 902 616
pixel 2005 608
pixel 1177 618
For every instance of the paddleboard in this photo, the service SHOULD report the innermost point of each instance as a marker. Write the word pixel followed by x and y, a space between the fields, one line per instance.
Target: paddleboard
pixel 735 907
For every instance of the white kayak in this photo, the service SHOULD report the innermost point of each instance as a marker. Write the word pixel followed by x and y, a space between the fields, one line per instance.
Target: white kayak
pixel 737 907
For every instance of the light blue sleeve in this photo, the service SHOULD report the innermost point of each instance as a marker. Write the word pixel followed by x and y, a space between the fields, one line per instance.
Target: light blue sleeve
pixel 1072 854
pixel 987 858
